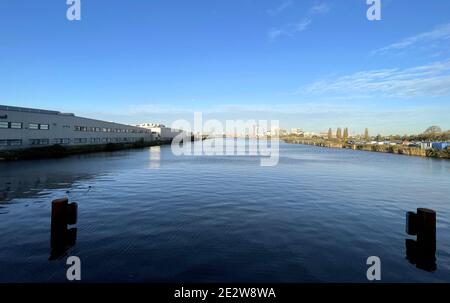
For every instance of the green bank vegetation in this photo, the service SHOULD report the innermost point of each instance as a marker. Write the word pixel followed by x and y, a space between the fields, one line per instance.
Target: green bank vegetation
pixel 404 145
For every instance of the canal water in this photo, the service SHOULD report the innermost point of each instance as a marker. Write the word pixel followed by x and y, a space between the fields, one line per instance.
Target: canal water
pixel 149 216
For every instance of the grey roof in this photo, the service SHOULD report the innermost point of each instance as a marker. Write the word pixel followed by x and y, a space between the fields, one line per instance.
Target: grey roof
pixel 33 110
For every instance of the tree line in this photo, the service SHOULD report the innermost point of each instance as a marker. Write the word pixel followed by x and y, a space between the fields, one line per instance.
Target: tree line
pixel 432 133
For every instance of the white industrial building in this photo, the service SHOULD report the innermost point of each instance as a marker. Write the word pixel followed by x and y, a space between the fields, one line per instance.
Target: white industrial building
pixel 25 128
pixel 162 132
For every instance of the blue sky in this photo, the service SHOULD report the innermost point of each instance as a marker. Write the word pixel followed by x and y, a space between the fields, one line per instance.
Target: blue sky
pixel 310 64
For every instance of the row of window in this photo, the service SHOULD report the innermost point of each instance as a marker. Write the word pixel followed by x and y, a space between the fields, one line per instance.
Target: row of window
pixel 13 142
pixel 104 140
pixel 110 130
pixel 47 141
pixel 39 141
pixel 38 126
pixel 19 125
pixel 35 142
pixel 35 126
pixel 16 125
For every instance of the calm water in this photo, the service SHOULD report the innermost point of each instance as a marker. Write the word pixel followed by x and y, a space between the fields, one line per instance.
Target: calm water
pixel 146 215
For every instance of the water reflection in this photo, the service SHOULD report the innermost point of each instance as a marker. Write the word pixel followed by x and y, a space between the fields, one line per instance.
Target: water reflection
pixel 422 252
pixel 223 219
pixel 62 238
pixel 155 157
pixel 25 179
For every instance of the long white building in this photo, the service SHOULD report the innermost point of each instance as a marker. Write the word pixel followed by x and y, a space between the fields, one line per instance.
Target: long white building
pixel 163 132
pixel 22 128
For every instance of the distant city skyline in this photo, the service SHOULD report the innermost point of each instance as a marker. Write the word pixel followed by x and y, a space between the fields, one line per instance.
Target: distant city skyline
pixel 309 64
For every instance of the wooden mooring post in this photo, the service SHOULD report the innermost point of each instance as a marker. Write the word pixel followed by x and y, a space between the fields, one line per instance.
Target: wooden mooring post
pixel 61 238
pixel 423 251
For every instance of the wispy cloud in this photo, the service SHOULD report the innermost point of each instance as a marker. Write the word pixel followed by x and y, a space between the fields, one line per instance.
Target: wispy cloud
pixel 439 34
pixel 289 29
pixel 320 8
pixel 280 8
pixel 293 28
pixel 427 80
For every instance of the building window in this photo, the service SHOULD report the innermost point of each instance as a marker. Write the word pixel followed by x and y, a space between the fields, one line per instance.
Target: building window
pixel 80 140
pixel 14 142
pixel 16 125
pixel 33 126
pixel 61 141
pixel 39 141
pixel 44 126
pixel 4 125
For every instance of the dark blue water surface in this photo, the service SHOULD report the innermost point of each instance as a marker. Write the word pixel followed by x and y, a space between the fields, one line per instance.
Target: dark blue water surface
pixel 147 215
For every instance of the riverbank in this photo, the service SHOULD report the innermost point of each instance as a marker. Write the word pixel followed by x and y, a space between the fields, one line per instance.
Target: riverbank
pixel 392 149
pixel 59 151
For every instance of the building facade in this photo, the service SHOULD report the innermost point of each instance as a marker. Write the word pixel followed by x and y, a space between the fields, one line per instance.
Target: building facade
pixel 162 132
pixel 296 131
pixel 440 145
pixel 22 128
pixel 426 145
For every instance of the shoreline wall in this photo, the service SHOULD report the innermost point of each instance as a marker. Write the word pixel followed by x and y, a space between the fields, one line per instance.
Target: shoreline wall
pixel 392 149
pixel 59 151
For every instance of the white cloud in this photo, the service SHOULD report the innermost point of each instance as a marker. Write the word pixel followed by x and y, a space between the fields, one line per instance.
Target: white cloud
pixel 438 35
pixel 291 29
pixel 280 8
pixel 320 8
pixel 426 80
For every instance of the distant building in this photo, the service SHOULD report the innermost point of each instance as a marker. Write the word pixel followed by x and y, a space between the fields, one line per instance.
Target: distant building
pixel 276 132
pixel 282 132
pixel 310 134
pixel 426 145
pixel 161 131
pixel 440 145
pixel 296 131
pixel 323 135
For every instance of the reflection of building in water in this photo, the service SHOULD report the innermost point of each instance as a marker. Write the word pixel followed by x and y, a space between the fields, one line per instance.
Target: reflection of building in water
pixel 62 238
pixel 22 180
pixel 422 252
pixel 155 157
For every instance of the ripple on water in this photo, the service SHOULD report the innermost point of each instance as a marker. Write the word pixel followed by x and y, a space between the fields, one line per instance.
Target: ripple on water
pixel 316 216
